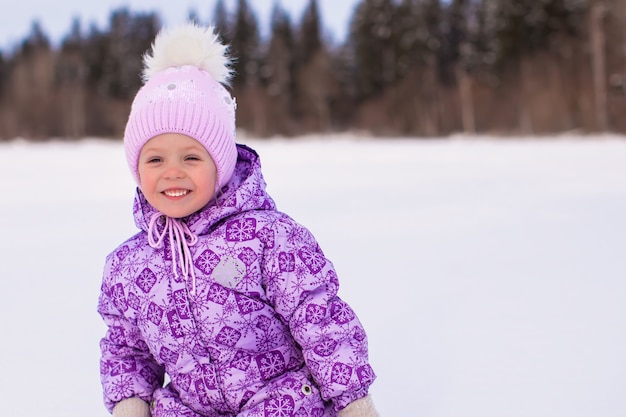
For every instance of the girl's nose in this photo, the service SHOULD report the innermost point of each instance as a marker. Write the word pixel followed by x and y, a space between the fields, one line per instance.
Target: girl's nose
pixel 174 171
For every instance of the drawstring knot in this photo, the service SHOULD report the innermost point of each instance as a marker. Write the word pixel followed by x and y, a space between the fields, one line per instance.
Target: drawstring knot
pixel 180 239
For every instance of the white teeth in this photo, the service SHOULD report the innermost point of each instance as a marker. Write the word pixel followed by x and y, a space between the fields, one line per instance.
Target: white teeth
pixel 175 193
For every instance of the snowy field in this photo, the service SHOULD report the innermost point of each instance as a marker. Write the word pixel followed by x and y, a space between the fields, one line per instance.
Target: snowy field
pixel 490 274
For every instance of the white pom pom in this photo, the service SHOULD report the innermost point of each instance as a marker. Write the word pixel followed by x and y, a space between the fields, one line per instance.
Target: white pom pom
pixel 188 44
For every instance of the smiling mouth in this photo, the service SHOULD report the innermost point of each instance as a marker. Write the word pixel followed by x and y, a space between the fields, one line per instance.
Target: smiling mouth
pixel 176 193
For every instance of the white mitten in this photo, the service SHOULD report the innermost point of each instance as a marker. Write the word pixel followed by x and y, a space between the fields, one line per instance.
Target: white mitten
pixel 363 407
pixel 131 407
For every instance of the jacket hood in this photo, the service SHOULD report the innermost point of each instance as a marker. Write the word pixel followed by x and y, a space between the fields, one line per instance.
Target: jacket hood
pixel 244 192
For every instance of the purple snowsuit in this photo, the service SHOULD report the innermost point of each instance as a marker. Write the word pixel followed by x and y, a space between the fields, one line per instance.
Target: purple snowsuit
pixel 254 328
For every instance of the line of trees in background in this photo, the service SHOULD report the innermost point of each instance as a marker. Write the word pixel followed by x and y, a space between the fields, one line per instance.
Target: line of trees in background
pixel 418 68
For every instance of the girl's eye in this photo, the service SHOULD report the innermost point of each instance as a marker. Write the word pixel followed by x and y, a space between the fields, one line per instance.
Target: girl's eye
pixel 192 158
pixel 153 160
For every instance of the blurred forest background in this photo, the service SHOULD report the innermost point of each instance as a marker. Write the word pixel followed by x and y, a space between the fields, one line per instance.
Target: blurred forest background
pixel 419 68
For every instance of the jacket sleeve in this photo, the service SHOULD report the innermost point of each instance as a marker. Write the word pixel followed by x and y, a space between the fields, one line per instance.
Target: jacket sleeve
pixel 302 285
pixel 127 369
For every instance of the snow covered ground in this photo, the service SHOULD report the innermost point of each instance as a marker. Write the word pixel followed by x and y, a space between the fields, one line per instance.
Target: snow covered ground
pixel 490 273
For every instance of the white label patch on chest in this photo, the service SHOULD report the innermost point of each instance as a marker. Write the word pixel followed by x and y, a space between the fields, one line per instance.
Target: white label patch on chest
pixel 229 272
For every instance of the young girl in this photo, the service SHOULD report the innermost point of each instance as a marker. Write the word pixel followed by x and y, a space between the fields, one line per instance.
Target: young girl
pixel 228 297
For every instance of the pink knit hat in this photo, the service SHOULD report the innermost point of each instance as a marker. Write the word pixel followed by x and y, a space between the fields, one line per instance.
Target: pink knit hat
pixel 183 93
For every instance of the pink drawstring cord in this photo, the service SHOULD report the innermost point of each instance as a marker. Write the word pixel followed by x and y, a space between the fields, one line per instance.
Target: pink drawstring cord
pixel 180 239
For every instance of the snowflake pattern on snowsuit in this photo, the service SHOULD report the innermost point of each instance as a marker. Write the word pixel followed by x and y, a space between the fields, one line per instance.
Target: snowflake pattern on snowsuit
pixel 264 334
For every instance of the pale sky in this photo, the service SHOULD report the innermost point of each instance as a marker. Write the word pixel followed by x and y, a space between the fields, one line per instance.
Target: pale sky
pixel 56 17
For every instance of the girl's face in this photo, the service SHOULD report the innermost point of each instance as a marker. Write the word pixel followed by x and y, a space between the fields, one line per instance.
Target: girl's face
pixel 176 174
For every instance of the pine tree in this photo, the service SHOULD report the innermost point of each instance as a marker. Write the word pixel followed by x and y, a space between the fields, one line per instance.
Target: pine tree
pixel 31 84
pixel 129 39
pixel 316 83
pixel 221 22
pixel 192 16
pixel 433 23
pixel 483 36
pixel 456 34
pixel 245 44
pixel 410 35
pixel 280 56
pixel 373 47
pixel 3 73
pixel 528 26
pixel 70 80
pixel 36 40
pixel 310 41
pixel 279 72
